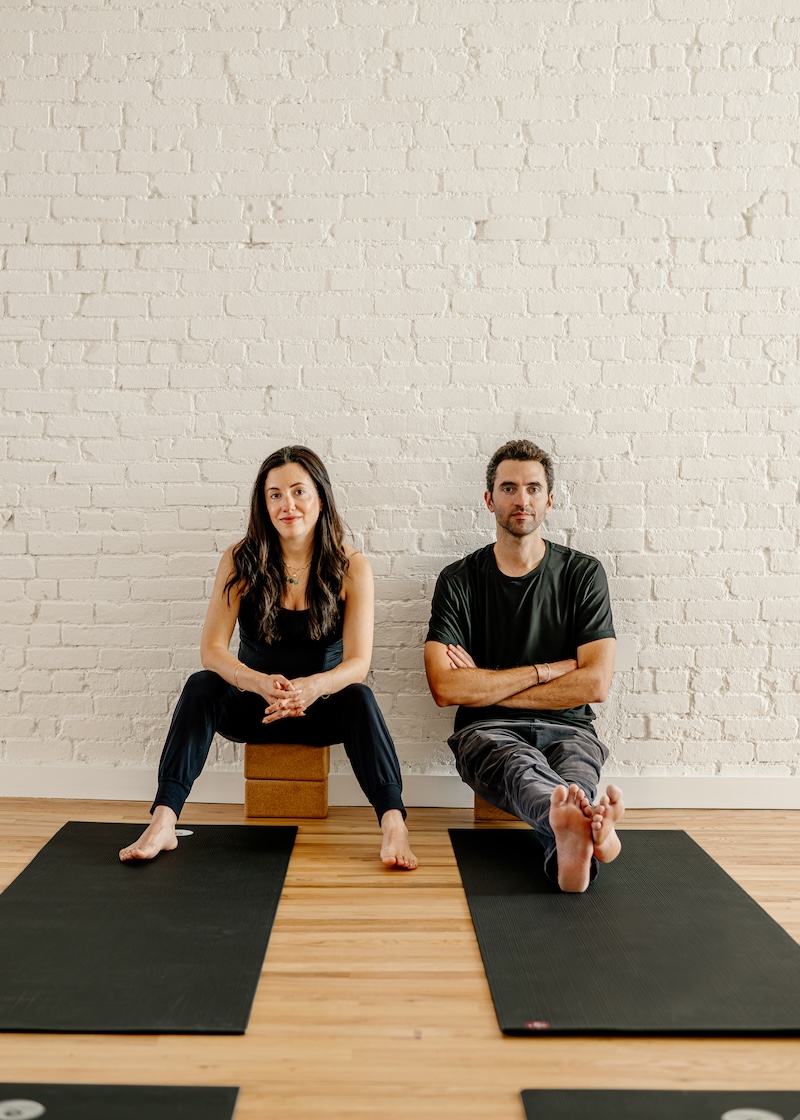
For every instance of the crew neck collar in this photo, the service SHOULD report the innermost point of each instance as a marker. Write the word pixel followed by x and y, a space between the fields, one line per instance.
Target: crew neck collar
pixel 533 573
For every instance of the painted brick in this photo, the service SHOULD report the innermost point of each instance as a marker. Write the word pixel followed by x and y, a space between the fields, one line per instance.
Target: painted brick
pixel 434 229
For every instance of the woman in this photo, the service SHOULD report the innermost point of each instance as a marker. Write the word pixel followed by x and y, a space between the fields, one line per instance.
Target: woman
pixel 304 602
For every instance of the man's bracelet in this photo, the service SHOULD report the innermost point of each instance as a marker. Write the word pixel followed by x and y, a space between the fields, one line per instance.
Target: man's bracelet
pixel 538 678
pixel 549 672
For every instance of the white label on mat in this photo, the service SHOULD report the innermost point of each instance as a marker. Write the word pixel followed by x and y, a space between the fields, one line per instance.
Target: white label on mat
pixel 21 1110
pixel 750 1114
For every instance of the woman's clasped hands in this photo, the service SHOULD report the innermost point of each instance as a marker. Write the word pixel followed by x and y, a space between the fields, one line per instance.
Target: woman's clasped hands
pixel 287 698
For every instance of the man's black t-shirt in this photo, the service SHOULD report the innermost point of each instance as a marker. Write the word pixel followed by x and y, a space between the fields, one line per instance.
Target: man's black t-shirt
pixel 505 621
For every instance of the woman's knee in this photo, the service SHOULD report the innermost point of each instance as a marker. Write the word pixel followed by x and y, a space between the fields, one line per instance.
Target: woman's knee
pixel 359 696
pixel 204 685
pixel 359 708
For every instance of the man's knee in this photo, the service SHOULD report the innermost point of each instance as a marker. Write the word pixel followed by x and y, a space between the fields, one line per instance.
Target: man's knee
pixel 476 738
pixel 479 761
pixel 489 740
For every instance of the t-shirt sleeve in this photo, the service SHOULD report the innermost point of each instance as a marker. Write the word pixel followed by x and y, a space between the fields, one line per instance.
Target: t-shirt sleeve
pixel 449 623
pixel 593 619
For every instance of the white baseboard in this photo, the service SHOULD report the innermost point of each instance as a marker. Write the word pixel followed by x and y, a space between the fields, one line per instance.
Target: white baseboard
pixel 433 790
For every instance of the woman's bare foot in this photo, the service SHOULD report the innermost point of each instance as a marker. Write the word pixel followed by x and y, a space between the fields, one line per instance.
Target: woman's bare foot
pixel 159 836
pixel 605 815
pixel 573 835
pixel 395 850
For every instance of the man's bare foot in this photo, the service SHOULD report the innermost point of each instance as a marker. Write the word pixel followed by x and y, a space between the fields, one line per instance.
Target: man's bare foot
pixel 605 815
pixel 395 850
pixel 159 836
pixel 573 835
pixel 585 804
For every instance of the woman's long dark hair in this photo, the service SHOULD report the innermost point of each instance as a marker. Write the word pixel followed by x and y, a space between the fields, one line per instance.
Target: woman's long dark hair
pixel 259 570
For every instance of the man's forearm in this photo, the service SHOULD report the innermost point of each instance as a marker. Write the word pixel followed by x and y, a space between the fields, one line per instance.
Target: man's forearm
pixel 574 688
pixel 479 688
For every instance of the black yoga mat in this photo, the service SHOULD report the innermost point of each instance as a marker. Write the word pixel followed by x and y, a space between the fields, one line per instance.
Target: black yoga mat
pixel 20 1101
pixel 170 945
pixel 634 1104
pixel 663 942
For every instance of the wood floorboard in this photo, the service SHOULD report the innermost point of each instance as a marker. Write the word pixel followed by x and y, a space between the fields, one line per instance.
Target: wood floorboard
pixel 373 1000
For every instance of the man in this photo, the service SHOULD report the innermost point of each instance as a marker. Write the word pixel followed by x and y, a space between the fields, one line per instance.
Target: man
pixel 521 638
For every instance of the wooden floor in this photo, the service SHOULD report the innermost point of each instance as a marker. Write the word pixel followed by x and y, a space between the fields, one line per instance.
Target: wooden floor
pixel 373 1001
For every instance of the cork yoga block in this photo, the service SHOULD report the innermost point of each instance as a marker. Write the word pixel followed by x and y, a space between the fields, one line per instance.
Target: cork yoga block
pixel 486 812
pixel 286 780
pixel 292 761
pixel 282 798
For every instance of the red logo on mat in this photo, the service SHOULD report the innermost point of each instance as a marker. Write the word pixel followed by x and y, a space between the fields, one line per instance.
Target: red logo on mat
pixel 537 1025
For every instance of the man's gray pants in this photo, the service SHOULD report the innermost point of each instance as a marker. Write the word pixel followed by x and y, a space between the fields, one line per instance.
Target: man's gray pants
pixel 516 765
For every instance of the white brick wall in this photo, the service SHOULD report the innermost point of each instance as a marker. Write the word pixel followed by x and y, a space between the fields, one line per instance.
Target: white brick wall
pixel 401 233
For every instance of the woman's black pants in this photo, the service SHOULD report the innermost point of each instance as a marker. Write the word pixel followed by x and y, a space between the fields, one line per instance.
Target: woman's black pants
pixel 209 705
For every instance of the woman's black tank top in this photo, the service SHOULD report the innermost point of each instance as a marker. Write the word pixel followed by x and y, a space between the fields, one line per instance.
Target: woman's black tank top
pixel 294 653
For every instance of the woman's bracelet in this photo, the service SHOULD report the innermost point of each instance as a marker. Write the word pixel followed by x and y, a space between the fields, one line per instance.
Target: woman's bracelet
pixel 236 676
